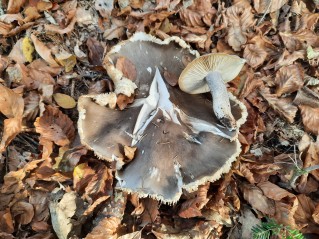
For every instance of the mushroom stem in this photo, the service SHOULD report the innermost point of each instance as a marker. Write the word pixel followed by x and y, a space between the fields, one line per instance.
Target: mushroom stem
pixel 221 104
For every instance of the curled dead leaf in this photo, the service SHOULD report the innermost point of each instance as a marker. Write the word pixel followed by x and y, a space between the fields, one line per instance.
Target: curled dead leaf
pixel 255 55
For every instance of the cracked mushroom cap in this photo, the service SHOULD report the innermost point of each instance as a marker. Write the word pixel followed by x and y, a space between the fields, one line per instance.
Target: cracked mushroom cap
pixel 179 144
pixel 192 80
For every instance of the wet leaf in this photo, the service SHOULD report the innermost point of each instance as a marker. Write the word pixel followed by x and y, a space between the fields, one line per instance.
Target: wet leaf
pixel 64 101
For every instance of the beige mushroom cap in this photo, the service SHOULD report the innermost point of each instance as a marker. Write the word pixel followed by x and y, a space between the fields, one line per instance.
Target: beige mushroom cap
pixel 192 80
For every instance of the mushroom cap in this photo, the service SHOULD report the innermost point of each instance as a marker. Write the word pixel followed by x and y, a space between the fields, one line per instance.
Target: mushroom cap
pixel 192 80
pixel 170 156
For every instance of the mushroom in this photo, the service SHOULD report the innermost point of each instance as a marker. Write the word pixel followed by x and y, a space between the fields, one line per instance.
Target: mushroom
pixel 210 73
pixel 179 144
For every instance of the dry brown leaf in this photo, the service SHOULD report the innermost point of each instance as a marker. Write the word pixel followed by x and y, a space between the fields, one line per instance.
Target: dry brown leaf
pixel 129 152
pixel 15 5
pixel 44 5
pixel 31 105
pixel 150 212
pixel 283 106
pixel 96 51
pixel 200 40
pixel 286 203
pixel 40 201
pixel 258 200
pixel 55 126
pixel 107 228
pixel 304 214
pixel 23 212
pixel 126 67
pixel 268 6
pixel 123 100
pixel 100 184
pixel 255 55
pixel 310 118
pixel 192 207
pixel 289 79
pixel 31 13
pixel 82 175
pixel 16 53
pixel 66 59
pixel 43 51
pixel 239 19
pixel 57 29
pixel 64 101
pixel 40 226
pixel 299 40
pixel 306 96
pixel 191 18
pixel 6 221
pixel 104 7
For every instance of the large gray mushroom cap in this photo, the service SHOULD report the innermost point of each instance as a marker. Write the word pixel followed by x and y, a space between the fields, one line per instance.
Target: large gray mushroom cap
pixel 179 144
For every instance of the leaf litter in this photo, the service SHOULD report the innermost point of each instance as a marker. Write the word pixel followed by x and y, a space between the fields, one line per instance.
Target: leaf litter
pixel 52 52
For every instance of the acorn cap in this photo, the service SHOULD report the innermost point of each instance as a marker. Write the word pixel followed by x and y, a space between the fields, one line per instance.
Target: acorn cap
pixel 192 80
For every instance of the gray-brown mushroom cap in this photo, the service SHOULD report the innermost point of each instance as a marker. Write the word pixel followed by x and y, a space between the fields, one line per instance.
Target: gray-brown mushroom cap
pixel 181 146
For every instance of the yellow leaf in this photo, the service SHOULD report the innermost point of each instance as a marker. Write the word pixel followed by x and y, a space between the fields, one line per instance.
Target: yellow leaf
pixel 67 60
pixel 79 170
pixel 65 101
pixel 27 49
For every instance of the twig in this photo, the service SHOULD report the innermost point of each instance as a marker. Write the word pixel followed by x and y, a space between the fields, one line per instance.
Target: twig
pixel 266 12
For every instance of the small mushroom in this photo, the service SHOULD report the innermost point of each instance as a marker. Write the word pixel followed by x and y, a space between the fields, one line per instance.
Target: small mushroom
pixel 210 73
pixel 179 144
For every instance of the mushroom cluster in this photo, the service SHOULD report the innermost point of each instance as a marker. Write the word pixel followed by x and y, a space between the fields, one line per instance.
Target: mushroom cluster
pixel 180 142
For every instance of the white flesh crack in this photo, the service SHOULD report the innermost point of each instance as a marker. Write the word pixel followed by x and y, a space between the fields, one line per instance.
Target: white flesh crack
pixel 159 99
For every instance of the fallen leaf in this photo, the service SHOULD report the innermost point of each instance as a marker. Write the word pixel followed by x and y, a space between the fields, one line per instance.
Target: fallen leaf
pixel 67 60
pixel 129 152
pixel 286 203
pixel 96 51
pixel 283 106
pixel 150 212
pixel 104 7
pixel 31 105
pixel 16 53
pixel 239 19
pixel 6 221
pixel 15 5
pixel 63 207
pixel 43 51
pixel 310 118
pixel 306 96
pixel 82 175
pixel 133 235
pixel 126 67
pixel 256 198
pixel 64 101
pixel 22 212
pixel 192 207
pixel 268 6
pixel 55 126
pixel 289 79
pixel 123 100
